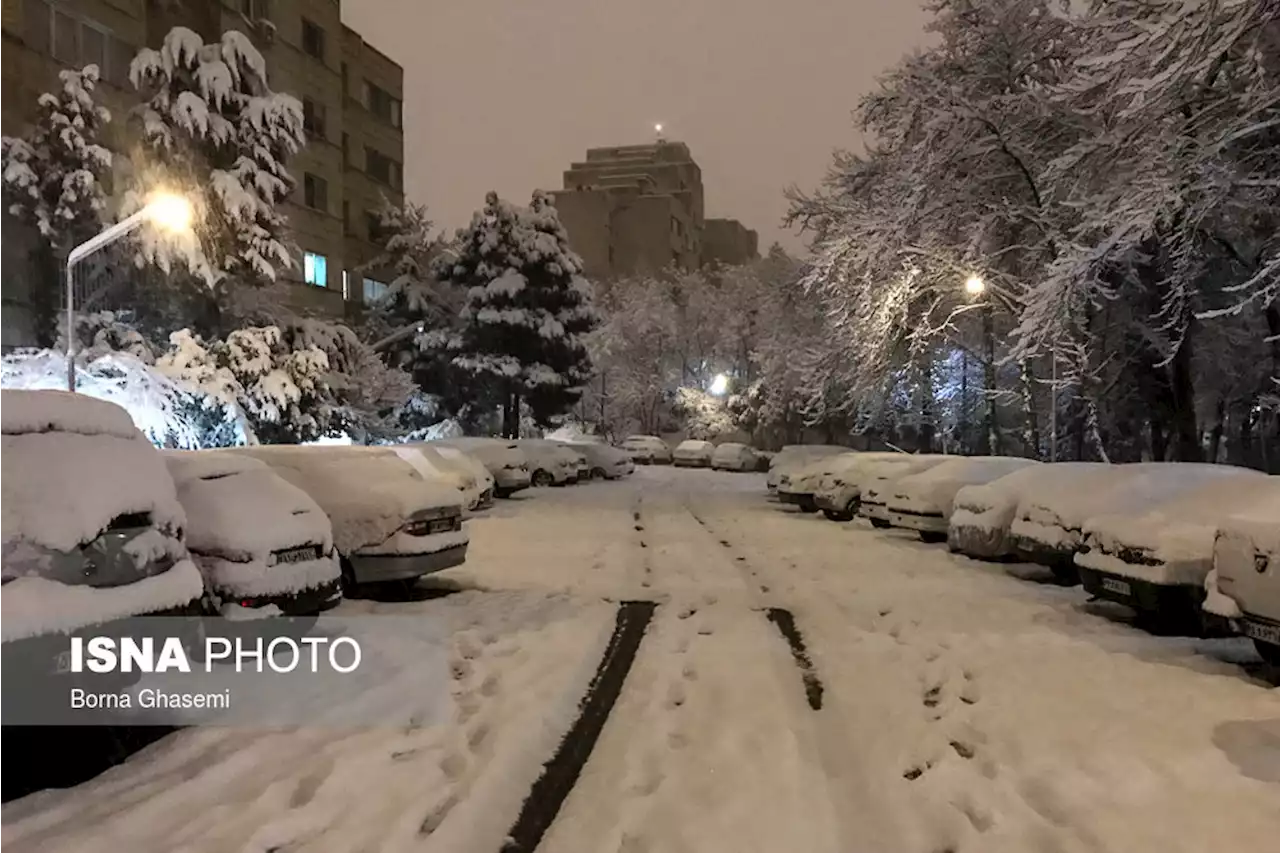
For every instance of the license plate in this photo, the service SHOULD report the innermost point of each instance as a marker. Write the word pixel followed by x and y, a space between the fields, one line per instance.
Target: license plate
pixel 64 662
pixel 296 555
pixel 1261 631
pixel 1118 587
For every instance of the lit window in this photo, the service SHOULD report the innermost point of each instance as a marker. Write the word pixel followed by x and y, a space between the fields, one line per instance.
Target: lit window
pixel 315 269
pixel 373 290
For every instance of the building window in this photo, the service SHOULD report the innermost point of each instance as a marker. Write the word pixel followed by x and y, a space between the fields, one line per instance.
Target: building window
pixel 315 192
pixel 65 32
pixel 373 290
pixel 313 39
pixel 76 41
pixel 315 269
pixel 255 10
pixel 35 17
pixel 382 103
pixel 373 226
pixel 313 118
pixel 381 167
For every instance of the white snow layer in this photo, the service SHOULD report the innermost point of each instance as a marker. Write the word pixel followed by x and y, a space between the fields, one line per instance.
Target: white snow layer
pixel 239 511
pixel 368 493
pixel 61 411
pixel 934 490
pixel 434 467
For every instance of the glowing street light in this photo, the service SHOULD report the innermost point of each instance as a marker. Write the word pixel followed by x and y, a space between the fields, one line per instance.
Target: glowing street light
pixel 719 385
pixel 975 286
pixel 166 211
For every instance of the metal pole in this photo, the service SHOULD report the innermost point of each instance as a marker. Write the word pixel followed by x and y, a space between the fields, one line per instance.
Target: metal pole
pixel 1053 410
pixel 71 334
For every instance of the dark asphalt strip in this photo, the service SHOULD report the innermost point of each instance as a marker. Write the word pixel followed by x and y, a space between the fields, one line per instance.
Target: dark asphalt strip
pixel 561 773
pixel 786 623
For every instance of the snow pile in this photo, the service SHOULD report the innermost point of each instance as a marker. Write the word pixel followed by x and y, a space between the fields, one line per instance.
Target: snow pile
pixel 1055 519
pixel 573 432
pixel 368 493
pixel 933 491
pixel 1216 602
pixel 170 412
pixel 982 515
pixel 240 512
pixel 1246 538
pixel 1175 532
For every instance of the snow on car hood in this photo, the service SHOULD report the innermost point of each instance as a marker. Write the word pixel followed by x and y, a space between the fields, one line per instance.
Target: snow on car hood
pixel 694 448
pixel 25 412
pixel 368 493
pixel 238 508
pixel 61 489
pixel 934 489
pixel 808 477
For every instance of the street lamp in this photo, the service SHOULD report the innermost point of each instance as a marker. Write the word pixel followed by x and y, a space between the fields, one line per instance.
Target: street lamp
pixel 167 211
pixel 975 286
pixel 719 385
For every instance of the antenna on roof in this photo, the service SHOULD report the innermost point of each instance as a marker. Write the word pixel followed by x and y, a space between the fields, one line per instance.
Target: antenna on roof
pixel 657 129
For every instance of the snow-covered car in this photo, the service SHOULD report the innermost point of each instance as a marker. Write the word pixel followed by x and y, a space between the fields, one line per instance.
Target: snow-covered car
pixel 503 458
pixel 605 461
pixel 799 486
pixel 550 463
pixel 647 449
pixel 693 453
pixel 1246 572
pixel 878 479
pixel 389 524
pixel 1048 526
pixel 1155 555
pixel 733 456
pixel 838 491
pixel 435 467
pixel 795 456
pixel 465 461
pixel 981 515
pixel 92 528
pixel 259 541
pixel 923 501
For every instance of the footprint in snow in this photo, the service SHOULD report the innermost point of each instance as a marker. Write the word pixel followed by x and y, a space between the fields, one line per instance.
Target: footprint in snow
pixel 964 750
pixel 489 686
pixel 686 612
pixel 676 695
pixel 460 669
pixel 933 696
pixel 436 816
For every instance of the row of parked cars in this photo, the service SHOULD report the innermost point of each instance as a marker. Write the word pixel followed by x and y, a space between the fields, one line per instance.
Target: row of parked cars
pixel 99 525
pixel 1192 547
pixel 693 453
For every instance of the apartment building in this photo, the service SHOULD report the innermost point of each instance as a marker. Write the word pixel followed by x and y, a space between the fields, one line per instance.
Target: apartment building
pixel 640 208
pixel 352 97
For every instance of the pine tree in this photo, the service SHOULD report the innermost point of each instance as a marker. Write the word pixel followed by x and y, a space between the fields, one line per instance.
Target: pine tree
pixel 527 311
pixel 212 128
pixel 53 183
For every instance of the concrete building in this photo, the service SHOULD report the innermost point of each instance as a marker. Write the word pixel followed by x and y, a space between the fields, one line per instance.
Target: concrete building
pixel 729 242
pixel 351 94
pixel 640 208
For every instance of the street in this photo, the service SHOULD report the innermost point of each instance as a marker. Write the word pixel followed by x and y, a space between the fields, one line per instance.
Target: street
pixel 934 703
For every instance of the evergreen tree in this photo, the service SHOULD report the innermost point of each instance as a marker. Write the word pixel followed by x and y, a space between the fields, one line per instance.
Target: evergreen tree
pixel 53 183
pixel 527 310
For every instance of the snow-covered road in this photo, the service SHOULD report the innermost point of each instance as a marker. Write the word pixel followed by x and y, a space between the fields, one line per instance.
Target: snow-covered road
pixel 963 707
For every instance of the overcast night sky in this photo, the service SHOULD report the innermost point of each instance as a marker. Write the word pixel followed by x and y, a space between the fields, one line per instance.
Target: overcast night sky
pixel 503 94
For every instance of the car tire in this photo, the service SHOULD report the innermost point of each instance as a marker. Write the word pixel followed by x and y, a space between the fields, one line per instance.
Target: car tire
pixel 598 474
pixel 932 537
pixel 880 523
pixel 1065 572
pixel 1268 652
pixel 837 515
pixel 542 479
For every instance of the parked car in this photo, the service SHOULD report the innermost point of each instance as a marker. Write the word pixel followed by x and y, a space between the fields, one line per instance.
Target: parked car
pixel 259 541
pixel 389 524
pixel 647 450
pixel 799 486
pixel 484 480
pixel 1246 571
pixel 551 463
pixel 878 481
pixel 605 461
pixel 1155 555
pixel 795 456
pixel 1048 527
pixel 435 467
pixel 838 490
pixel 923 501
pixel 92 528
pixel 732 456
pixel 764 460
pixel 982 515
pixel 503 458
pixel 693 453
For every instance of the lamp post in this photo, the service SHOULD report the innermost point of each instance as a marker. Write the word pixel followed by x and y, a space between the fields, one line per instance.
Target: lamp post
pixel 165 210
pixel 976 287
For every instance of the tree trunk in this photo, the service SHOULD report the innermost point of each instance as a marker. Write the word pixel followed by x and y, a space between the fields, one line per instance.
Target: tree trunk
pixel 989 383
pixel 1031 426
pixel 1215 436
pixel 1186 434
pixel 511 415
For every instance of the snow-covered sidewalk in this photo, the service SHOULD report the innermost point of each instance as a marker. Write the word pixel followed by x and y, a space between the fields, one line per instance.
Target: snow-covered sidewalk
pixel 963 708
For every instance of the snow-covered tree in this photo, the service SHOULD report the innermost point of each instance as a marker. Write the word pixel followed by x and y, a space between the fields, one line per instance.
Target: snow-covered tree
pixel 527 311
pixel 53 183
pixel 212 128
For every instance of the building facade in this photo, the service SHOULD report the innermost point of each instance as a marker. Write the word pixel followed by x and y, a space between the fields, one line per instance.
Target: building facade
pixel 640 208
pixel 352 97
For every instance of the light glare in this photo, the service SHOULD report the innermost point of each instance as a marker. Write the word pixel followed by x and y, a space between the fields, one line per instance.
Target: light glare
pixel 170 212
pixel 975 286
pixel 719 385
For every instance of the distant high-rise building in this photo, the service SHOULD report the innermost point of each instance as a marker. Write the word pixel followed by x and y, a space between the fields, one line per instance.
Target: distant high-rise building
pixel 351 94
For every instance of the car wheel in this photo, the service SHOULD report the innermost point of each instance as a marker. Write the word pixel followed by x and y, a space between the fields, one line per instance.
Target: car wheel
pixel 880 523
pixel 1268 652
pixel 1065 572
pixel 598 474
pixel 933 537
pixel 542 478
pixel 837 515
